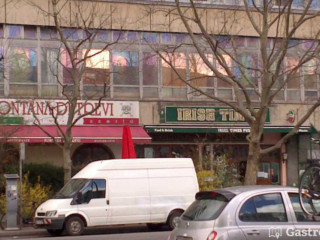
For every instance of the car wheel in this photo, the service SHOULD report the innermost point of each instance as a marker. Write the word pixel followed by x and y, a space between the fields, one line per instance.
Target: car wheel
pixel 173 219
pixel 55 232
pixel 74 226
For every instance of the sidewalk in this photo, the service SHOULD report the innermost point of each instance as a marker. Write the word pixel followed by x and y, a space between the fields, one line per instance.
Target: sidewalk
pixel 25 231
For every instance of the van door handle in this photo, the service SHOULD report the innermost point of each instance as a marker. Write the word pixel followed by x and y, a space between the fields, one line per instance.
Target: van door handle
pixel 253 232
pixel 108 202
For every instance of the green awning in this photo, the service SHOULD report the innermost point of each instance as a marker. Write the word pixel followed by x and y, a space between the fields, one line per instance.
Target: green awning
pixel 218 129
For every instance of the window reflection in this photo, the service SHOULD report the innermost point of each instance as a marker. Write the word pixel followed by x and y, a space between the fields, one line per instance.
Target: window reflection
pixel 23 65
pixel 48 33
pixel 126 68
pixel 30 32
pixel 67 67
pixel 14 31
pixel 150 68
pixel 200 73
pixel 310 77
pixel 293 78
pixel 169 76
pixel 70 33
pixel 150 37
pixel 49 65
pixel 244 70
pixel 97 66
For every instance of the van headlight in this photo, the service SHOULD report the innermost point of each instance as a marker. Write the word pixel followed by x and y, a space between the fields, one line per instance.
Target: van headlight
pixel 51 213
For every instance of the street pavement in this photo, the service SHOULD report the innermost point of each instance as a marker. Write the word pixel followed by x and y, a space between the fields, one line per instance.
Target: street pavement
pixel 139 232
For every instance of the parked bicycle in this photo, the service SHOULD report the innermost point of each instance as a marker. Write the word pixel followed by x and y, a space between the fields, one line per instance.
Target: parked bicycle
pixel 309 188
pixel 28 212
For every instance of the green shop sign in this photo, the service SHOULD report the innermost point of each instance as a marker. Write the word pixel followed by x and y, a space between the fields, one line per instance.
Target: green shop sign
pixel 11 120
pixel 202 115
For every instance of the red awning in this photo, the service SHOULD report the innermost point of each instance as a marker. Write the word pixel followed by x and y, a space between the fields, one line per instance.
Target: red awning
pixel 81 134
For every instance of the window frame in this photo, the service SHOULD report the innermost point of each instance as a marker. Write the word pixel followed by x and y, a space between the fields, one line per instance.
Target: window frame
pixel 258 221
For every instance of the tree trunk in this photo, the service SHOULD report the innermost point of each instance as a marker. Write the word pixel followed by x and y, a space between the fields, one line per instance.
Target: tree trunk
pixel 67 163
pixel 252 163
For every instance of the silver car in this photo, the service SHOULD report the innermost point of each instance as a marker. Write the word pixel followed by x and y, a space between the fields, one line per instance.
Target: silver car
pixel 246 213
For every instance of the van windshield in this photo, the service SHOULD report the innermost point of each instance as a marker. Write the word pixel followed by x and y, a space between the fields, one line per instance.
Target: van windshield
pixel 71 188
pixel 206 207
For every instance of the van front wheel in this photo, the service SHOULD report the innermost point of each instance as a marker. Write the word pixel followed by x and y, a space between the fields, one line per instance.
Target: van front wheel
pixel 173 219
pixel 74 226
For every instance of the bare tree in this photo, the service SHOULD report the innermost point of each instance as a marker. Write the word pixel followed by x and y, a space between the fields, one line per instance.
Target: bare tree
pixel 80 60
pixel 256 84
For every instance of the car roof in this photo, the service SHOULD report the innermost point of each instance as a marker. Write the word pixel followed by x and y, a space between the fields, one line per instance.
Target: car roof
pixel 256 188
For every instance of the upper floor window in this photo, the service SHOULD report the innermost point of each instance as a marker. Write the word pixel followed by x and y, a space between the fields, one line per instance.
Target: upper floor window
pixel 126 72
pixel 310 80
pixel 172 77
pixel 293 78
pixel 48 33
pixel 96 77
pixel 14 31
pixel 150 75
pixel 30 32
pixel 149 37
pixel 22 71
pixel 49 72
pixel 71 33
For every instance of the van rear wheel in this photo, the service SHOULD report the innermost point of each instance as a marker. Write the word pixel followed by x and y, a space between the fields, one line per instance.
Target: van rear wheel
pixel 74 226
pixel 173 219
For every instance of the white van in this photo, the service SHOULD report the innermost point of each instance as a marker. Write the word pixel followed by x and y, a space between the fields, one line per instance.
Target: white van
pixel 121 191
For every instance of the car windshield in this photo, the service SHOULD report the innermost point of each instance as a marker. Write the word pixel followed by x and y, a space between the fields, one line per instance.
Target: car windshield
pixel 71 188
pixel 206 207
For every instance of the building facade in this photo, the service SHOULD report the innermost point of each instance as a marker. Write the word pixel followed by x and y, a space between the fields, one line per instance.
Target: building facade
pixel 167 117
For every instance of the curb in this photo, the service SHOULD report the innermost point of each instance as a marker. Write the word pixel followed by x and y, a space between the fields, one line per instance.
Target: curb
pixel 24 231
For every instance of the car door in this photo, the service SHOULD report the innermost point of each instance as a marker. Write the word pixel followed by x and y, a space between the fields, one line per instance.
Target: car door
pixel 306 227
pixel 264 216
pixel 94 203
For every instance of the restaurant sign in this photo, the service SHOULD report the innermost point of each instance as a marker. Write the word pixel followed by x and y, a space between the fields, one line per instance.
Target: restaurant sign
pixel 202 115
pixel 107 113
